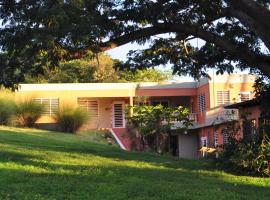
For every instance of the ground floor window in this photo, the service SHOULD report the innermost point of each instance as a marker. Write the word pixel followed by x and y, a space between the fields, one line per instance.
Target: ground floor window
pixel 204 141
pixel 225 136
pixel 51 105
pixel 215 138
pixel 91 106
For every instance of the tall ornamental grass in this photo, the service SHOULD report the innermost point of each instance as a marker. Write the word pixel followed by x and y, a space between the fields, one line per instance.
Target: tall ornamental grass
pixel 70 119
pixel 7 110
pixel 28 112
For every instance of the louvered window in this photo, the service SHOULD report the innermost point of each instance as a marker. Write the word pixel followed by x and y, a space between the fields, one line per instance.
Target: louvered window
pixel 225 136
pixel 223 97
pixel 216 138
pixel 202 106
pixel 51 105
pixel 91 106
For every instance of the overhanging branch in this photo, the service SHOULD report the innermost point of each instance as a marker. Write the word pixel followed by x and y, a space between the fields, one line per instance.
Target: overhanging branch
pixel 251 58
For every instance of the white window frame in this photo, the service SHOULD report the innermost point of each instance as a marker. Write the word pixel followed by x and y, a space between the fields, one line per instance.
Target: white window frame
pixel 204 140
pixel 123 113
pixel 248 93
pixel 40 100
pixel 223 92
pixel 216 138
pixel 225 136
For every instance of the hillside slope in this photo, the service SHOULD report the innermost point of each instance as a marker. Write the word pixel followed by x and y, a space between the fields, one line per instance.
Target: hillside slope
pixel 38 164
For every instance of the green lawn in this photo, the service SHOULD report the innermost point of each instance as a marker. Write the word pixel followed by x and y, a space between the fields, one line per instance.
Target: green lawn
pixel 38 164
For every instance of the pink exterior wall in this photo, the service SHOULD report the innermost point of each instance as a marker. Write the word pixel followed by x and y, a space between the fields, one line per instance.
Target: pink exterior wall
pixel 202 90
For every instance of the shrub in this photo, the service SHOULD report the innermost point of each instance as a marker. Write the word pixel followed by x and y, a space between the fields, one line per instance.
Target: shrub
pixel 7 110
pixel 262 162
pixel 247 156
pixel 71 119
pixel 28 112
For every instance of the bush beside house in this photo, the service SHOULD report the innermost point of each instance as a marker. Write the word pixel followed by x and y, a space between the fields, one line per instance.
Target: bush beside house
pixel 28 112
pixel 247 156
pixel 71 119
pixel 7 110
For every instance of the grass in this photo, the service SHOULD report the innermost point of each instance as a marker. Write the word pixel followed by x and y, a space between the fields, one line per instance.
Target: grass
pixel 38 164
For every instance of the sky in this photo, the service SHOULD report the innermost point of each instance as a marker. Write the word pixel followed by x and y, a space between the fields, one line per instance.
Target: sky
pixel 121 54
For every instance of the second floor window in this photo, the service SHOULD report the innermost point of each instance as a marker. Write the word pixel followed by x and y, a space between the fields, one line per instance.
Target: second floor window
pixel 244 96
pixel 202 105
pixel 51 105
pixel 223 97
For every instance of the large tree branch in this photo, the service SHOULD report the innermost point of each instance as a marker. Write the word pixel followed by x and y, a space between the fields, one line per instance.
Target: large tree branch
pixel 251 58
pixel 129 37
pixel 255 10
pixel 249 14
pixel 236 51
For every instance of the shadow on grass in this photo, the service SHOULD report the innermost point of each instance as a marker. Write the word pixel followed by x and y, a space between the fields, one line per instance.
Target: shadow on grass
pixel 117 182
pixel 48 143
pixel 31 176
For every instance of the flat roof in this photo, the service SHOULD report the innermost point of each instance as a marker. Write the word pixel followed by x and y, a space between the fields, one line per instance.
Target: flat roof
pixel 103 86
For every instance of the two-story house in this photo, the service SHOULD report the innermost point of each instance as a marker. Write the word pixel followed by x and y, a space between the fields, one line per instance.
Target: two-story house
pixel 106 103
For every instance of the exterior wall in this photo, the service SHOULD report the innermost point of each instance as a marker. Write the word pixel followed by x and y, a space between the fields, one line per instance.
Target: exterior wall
pixel 70 98
pixel 209 133
pixel 235 84
pixel 204 89
pixel 185 94
pixel 234 89
pixel 104 119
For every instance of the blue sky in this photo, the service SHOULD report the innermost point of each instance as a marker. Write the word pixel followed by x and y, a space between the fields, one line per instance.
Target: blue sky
pixel 121 54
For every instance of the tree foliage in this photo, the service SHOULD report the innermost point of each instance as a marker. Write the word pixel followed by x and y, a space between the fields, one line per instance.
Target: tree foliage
pixel 144 75
pixel 86 70
pixel 38 33
pixel 157 121
pixel 98 69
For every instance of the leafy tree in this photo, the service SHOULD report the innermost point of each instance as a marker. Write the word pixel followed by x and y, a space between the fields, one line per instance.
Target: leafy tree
pixel 157 122
pixel 144 75
pixel 89 69
pixel 96 69
pixel 234 33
